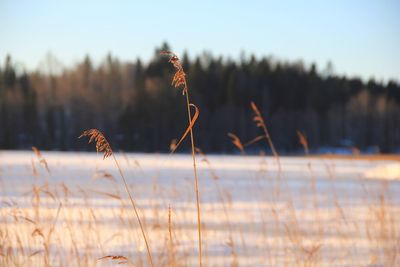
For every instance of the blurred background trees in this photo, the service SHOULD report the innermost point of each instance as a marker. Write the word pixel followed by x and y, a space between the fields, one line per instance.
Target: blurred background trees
pixel 136 107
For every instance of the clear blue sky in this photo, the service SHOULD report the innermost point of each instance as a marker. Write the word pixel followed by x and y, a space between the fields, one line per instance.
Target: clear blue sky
pixel 361 38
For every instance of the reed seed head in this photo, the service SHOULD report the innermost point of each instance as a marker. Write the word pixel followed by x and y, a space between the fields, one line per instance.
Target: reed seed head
pixel 102 144
pixel 236 141
pixel 179 78
pixel 258 119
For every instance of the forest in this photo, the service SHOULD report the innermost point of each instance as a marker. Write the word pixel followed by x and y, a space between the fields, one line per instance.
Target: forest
pixel 136 107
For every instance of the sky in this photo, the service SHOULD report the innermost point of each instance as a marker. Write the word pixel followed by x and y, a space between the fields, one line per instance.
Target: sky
pixel 360 38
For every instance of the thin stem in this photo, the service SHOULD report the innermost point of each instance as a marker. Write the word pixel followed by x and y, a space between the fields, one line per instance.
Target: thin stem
pixel 274 152
pixel 171 242
pixel 195 173
pixel 271 145
pixel 136 212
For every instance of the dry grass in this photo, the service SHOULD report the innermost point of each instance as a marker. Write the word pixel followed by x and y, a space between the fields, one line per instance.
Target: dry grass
pixel 236 141
pixel 41 159
pixel 303 141
pixel 258 232
pixel 102 145
pixel 179 80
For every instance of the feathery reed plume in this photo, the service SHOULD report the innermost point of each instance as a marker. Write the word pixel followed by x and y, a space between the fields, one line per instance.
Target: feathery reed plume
pixel 236 141
pixel 303 141
pixel 179 80
pixel 102 145
pixel 259 120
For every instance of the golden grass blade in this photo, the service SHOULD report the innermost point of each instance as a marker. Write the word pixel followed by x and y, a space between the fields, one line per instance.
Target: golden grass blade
pixel 189 128
pixel 36 253
pixel 27 219
pixel 106 194
pixel 103 175
pixel 255 140
pixel 119 259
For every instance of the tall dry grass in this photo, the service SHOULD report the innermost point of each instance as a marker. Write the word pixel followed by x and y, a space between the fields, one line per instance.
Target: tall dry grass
pixel 102 145
pixel 179 81
pixel 327 232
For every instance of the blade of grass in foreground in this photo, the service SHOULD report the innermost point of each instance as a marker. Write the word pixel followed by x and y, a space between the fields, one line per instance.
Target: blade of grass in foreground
pixel 102 145
pixel 179 80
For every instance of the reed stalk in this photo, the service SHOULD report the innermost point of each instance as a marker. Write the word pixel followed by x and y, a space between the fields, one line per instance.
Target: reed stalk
pixel 102 145
pixel 179 80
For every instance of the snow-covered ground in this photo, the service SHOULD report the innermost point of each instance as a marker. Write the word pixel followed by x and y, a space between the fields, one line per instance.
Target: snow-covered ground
pixel 255 212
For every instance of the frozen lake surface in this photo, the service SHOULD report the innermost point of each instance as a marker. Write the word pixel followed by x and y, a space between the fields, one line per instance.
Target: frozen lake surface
pixel 255 212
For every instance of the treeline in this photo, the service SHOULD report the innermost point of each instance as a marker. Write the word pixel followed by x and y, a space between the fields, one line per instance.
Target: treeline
pixel 135 105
